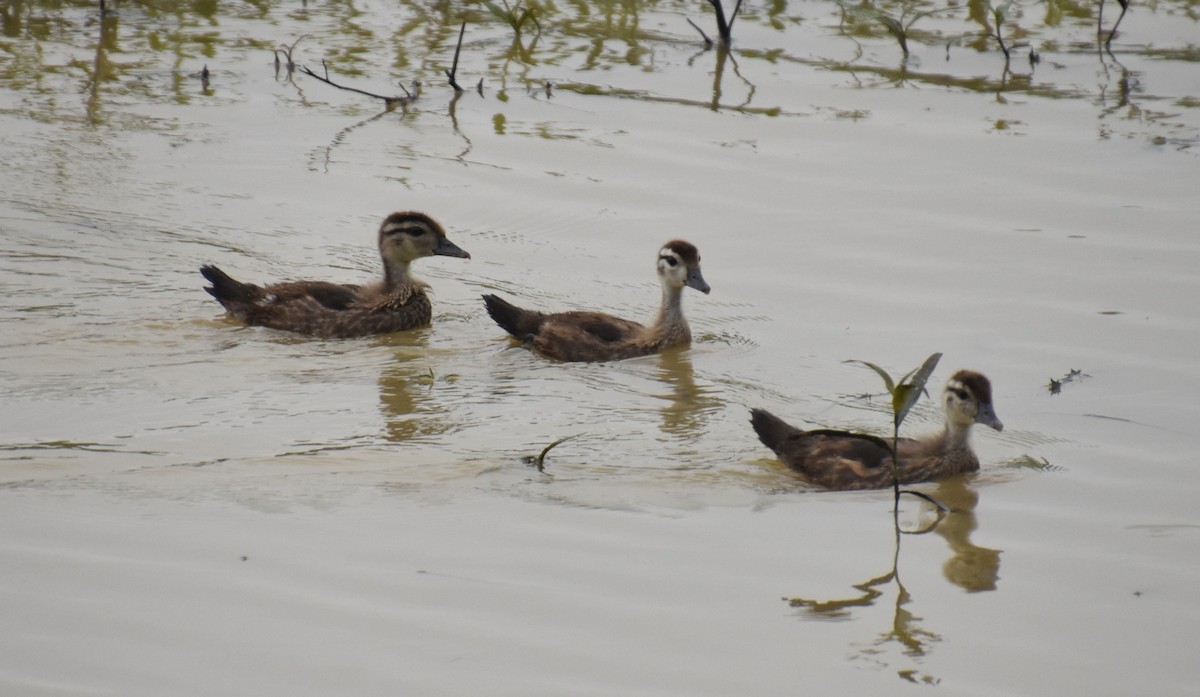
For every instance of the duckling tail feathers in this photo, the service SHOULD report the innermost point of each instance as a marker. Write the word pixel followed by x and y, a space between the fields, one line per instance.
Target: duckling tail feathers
pixel 771 429
pixel 519 322
pixel 228 291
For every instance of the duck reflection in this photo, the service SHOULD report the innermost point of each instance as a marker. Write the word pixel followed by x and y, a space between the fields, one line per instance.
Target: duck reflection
pixel 971 567
pixel 407 390
pixel 689 405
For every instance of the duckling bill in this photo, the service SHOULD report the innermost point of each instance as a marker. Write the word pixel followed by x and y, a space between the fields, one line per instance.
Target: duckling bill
pixel 596 336
pixel 846 461
pixel 335 310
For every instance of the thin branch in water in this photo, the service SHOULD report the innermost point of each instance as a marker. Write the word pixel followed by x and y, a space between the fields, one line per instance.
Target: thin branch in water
pixel 707 41
pixel 454 66
pixel 1113 32
pixel 287 51
pixel 479 87
pixel 725 27
pixel 390 101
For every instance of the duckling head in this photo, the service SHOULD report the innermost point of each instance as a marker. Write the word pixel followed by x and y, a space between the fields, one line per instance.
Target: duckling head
pixel 679 266
pixel 406 236
pixel 967 400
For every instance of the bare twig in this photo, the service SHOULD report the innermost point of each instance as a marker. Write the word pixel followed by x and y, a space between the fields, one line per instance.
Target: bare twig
pixel 390 101
pixel 1113 32
pixel 723 26
pixel 454 67
pixel 707 41
pixel 287 51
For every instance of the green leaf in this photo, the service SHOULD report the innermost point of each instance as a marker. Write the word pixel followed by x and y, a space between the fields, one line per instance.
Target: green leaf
pixel 892 25
pixel 1000 12
pixel 540 460
pixel 887 379
pixel 911 387
pixel 496 10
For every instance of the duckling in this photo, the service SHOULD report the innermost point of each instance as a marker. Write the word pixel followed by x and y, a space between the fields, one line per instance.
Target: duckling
pixel 595 336
pixel 335 310
pixel 845 461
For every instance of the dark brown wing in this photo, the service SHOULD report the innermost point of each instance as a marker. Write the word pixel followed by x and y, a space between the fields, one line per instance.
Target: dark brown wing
pixel 585 336
pixel 304 315
pixel 335 296
pixel 833 459
pixel 839 459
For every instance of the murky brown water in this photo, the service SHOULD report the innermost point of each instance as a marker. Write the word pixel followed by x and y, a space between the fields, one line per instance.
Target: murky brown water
pixel 1025 220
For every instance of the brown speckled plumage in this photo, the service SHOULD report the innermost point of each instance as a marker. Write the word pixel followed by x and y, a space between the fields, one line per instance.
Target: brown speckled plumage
pixel 844 461
pixel 595 336
pixel 334 310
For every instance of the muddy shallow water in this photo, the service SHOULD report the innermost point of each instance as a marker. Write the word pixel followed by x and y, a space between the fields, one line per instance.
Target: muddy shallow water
pixel 190 505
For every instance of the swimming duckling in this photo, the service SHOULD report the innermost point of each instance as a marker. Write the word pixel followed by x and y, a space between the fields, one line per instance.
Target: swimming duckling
pixel 595 336
pixel 844 461
pixel 335 310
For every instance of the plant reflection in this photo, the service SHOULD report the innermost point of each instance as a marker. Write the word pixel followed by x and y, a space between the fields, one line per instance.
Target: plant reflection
pixel 566 41
pixel 724 54
pixel 970 567
pixel 102 67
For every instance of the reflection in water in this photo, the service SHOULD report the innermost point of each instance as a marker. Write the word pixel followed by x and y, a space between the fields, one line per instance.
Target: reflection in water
pixel 686 414
pixel 102 68
pixel 580 37
pixel 970 567
pixel 407 390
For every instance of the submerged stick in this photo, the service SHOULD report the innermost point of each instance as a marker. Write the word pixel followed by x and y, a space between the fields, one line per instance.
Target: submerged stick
pixel 725 27
pixel 454 66
pixel 1113 32
pixel 390 101
pixel 707 41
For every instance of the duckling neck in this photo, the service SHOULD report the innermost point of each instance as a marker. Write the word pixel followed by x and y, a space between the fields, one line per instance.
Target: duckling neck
pixel 670 325
pixel 955 437
pixel 395 274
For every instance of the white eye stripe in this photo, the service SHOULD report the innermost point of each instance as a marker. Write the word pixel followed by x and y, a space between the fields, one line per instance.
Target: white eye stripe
pixel 410 228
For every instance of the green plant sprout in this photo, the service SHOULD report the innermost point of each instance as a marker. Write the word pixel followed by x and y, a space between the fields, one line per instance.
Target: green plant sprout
pixel 999 13
pixel 897 27
pixel 539 460
pixel 905 393
pixel 516 16
pixel 287 51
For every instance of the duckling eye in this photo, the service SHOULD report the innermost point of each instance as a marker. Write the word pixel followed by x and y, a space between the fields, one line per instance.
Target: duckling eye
pixel 961 394
pixel 415 231
pixel 671 261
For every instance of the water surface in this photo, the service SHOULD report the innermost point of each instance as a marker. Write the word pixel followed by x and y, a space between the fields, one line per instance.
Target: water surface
pixel 359 516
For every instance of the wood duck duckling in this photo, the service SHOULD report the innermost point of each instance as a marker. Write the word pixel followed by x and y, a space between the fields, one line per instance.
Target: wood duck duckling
pixel 845 461
pixel 595 336
pixel 336 310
